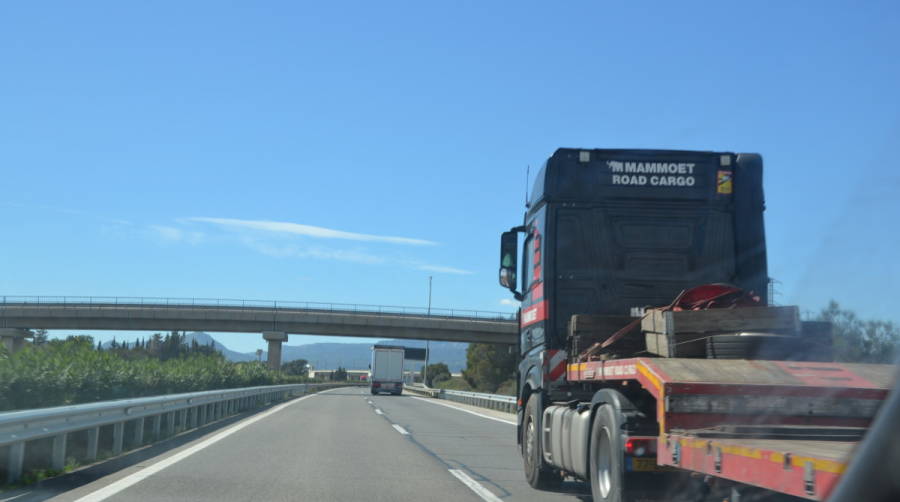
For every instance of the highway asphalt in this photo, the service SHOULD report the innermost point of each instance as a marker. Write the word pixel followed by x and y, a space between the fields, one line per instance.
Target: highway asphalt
pixel 341 445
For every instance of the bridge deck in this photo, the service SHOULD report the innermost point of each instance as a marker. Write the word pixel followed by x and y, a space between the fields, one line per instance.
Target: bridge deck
pixel 315 319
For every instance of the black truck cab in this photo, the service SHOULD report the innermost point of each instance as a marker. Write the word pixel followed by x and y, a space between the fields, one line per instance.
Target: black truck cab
pixel 606 231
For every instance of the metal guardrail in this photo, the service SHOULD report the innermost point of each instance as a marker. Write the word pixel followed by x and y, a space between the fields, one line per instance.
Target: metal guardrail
pixel 492 401
pixel 156 302
pixel 418 388
pixel 168 415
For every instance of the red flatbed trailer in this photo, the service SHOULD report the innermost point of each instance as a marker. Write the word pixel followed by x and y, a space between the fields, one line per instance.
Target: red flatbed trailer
pixel 785 426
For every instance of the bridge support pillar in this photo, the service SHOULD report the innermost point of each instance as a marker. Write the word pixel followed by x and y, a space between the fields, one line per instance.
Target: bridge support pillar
pixel 14 338
pixel 275 339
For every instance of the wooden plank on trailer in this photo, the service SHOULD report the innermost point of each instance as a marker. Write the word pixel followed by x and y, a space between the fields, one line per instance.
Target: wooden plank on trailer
pixel 741 371
pixel 880 375
pixel 587 329
pixel 676 345
pixel 599 324
pixel 784 320
pixel 725 371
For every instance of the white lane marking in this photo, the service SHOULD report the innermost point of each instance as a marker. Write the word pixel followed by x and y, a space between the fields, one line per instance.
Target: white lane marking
pixel 401 430
pixel 482 415
pixel 377 411
pixel 475 486
pixel 116 487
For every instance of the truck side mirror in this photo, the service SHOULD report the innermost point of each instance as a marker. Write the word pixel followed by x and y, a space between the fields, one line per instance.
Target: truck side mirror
pixel 509 260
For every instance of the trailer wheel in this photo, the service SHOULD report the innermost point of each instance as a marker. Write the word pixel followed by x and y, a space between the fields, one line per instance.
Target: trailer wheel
pixel 537 475
pixel 607 456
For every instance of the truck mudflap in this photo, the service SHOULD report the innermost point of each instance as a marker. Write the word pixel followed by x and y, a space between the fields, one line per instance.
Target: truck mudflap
pixel 803 468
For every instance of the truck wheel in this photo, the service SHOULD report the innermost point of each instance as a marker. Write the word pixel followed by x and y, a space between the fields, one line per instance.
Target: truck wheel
pixel 537 475
pixel 607 456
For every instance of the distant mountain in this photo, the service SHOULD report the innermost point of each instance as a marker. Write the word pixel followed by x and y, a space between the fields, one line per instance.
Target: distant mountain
pixel 232 355
pixel 353 356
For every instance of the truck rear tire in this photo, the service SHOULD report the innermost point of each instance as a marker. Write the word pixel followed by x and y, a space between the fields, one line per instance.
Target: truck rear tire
pixel 536 473
pixel 607 456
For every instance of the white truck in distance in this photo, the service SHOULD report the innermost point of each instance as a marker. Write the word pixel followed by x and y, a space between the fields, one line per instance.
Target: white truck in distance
pixel 387 369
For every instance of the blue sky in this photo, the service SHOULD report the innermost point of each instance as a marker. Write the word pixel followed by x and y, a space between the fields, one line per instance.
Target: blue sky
pixel 210 149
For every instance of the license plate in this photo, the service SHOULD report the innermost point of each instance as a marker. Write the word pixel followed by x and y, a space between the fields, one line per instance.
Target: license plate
pixel 644 464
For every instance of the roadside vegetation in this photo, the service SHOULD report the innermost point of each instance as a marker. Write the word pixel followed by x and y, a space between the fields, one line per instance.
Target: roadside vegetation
pixel 453 383
pixel 861 340
pixel 63 372
pixel 437 373
pixel 490 368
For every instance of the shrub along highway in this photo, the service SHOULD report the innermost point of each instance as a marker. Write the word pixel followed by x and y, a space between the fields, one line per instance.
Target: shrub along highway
pixel 341 444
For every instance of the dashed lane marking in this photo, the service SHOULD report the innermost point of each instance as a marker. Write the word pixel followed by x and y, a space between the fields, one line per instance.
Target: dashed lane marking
pixel 475 486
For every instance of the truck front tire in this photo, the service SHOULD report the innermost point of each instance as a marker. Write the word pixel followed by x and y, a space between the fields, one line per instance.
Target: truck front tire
pixel 607 456
pixel 537 475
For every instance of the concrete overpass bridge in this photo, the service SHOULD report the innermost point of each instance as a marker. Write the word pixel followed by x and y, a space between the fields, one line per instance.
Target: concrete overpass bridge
pixel 275 320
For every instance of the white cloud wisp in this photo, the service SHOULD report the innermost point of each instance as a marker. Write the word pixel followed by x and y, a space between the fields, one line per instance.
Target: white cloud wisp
pixel 443 270
pixel 283 227
pixel 172 234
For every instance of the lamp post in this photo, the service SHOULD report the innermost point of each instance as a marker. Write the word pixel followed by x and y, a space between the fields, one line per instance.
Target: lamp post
pixel 427 343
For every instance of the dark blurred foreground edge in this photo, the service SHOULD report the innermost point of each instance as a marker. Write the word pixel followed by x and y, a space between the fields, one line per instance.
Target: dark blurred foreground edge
pixel 873 474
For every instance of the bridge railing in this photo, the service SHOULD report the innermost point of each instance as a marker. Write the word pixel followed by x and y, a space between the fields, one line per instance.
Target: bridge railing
pixel 498 402
pixel 156 302
pixel 167 415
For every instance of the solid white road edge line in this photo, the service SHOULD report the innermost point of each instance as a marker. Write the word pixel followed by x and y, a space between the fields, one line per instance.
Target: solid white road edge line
pixel 475 486
pixel 482 415
pixel 401 430
pixel 117 486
